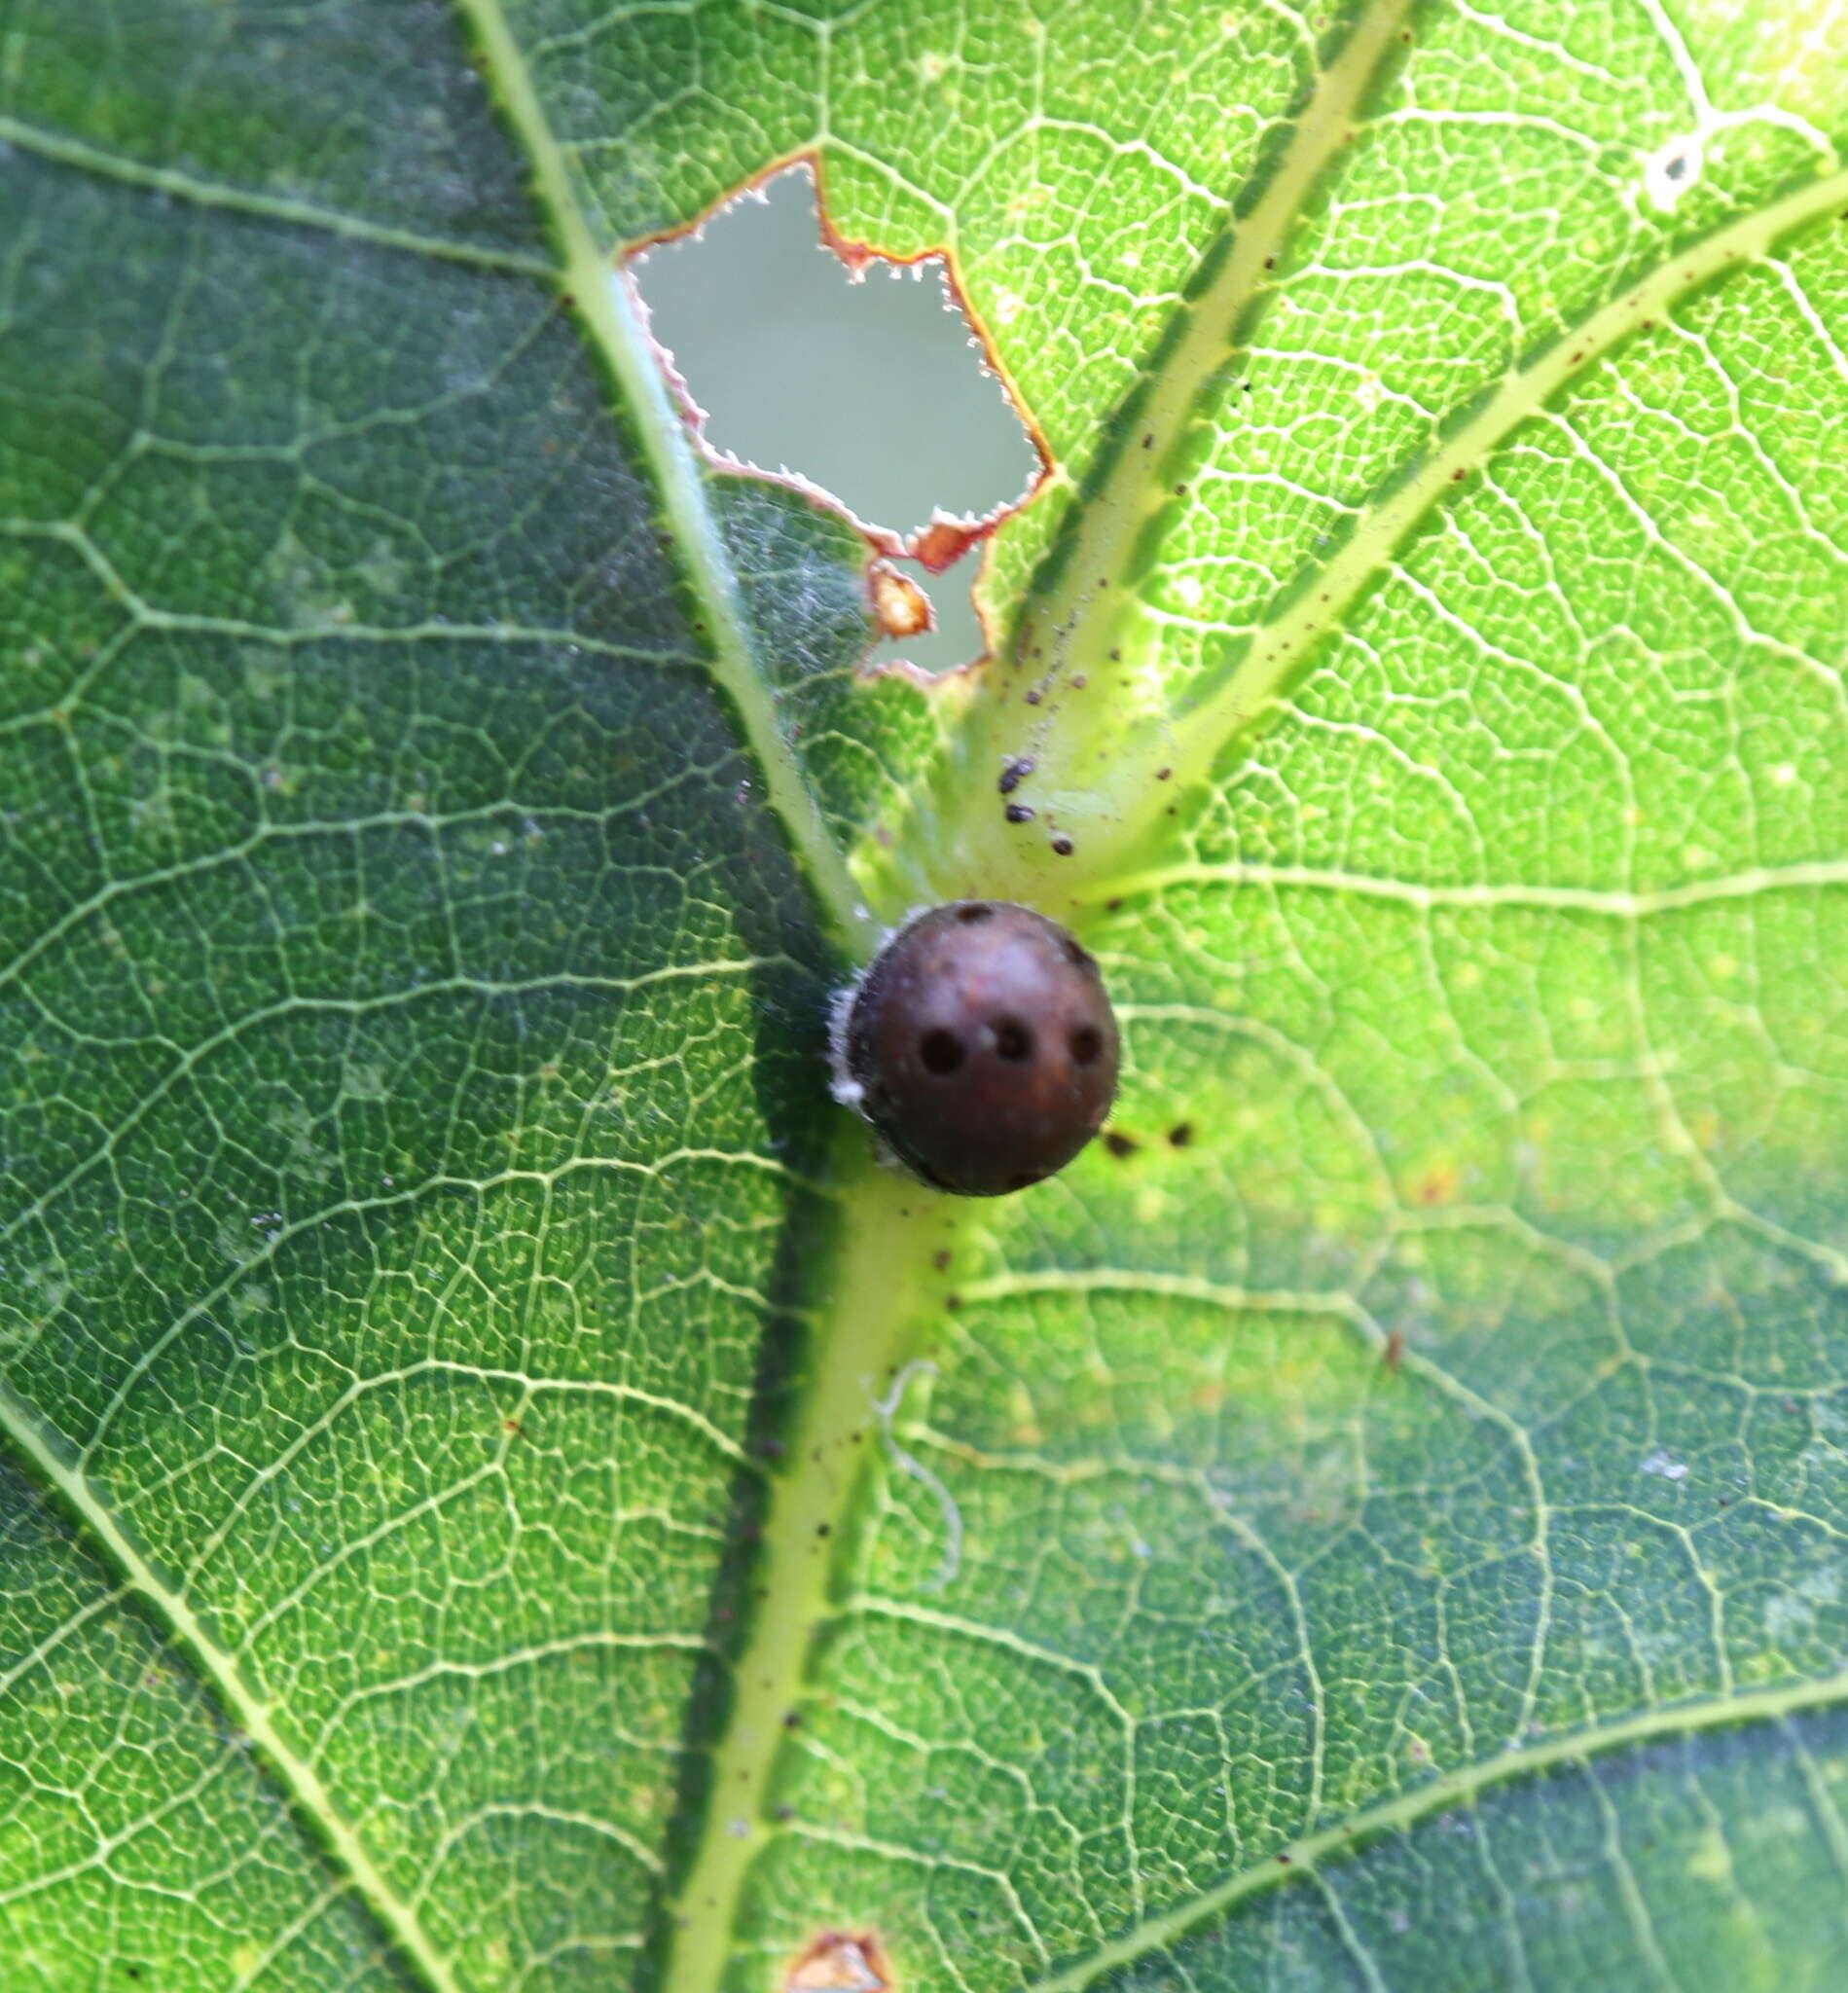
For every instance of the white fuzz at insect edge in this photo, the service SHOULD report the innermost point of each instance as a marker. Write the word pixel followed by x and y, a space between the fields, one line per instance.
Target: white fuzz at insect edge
pixel 841 1082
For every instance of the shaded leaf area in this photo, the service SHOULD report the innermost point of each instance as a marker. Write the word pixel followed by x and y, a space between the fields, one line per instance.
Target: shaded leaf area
pixel 408 1057
pixel 355 109
pixel 139 1842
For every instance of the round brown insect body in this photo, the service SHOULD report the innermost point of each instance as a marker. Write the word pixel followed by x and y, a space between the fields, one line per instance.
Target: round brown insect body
pixel 982 1046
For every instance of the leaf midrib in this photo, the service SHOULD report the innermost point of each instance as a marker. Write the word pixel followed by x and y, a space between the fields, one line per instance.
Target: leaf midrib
pixel 602 297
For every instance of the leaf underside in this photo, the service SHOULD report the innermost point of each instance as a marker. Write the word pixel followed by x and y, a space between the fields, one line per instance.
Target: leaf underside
pixel 1378 1523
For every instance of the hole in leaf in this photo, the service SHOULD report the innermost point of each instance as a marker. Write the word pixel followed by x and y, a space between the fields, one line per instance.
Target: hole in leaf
pixel 941 1052
pixel 847 372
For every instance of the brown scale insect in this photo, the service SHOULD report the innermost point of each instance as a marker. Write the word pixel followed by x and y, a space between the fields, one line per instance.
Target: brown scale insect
pixel 982 1046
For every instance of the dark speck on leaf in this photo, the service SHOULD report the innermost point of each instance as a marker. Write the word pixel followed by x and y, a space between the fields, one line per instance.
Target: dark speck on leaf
pixel 1018 812
pixel 1064 847
pixel 1180 1133
pixel 1015 773
pixel 1121 1145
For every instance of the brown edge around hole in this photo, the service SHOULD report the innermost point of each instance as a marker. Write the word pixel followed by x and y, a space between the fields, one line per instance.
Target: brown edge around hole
pixel 943 541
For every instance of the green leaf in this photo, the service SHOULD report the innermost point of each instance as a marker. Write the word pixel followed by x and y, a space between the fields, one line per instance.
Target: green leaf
pixel 497 1488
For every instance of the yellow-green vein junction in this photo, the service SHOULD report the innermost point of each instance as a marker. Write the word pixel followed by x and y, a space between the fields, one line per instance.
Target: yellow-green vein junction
pixel 1070 624
pixel 1115 813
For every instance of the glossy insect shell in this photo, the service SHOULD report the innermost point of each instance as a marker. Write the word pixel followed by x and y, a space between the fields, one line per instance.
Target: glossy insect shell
pixel 982 1045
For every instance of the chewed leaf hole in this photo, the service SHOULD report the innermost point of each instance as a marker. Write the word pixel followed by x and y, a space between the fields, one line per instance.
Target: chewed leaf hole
pixel 852 374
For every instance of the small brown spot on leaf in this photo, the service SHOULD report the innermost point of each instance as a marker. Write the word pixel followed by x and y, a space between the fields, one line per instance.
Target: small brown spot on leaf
pixel 840 1963
pixel 1121 1145
pixel 1395 1352
pixel 901 605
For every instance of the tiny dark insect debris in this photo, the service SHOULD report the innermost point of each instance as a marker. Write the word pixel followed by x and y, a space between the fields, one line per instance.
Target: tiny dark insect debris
pixel 1121 1145
pixel 1015 773
pixel 1018 812
pixel 982 1046
pixel 1063 847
